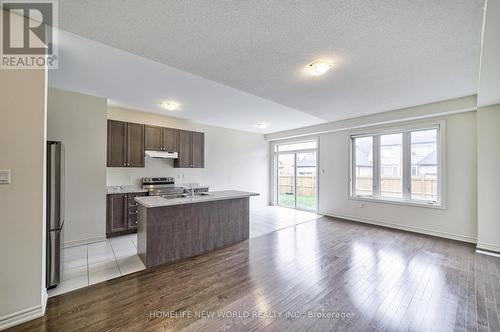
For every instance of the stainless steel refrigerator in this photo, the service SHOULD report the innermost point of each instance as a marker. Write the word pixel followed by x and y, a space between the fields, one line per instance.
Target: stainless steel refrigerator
pixel 55 211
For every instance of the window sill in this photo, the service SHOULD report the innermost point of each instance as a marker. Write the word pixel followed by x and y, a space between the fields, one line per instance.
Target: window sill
pixel 398 202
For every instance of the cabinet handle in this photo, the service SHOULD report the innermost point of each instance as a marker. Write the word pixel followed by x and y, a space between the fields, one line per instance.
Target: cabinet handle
pixel 133 212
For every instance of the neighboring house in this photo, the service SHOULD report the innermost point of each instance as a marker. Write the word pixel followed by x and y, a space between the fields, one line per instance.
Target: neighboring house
pixel 426 165
pixel 306 166
pixel 423 157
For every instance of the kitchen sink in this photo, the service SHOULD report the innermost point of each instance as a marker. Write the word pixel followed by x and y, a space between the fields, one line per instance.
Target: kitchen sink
pixel 174 196
pixel 185 195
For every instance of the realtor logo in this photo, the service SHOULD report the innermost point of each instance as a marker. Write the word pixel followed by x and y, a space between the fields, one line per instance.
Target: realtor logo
pixel 29 34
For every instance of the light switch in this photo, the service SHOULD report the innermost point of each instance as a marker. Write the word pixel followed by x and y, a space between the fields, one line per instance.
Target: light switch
pixel 4 176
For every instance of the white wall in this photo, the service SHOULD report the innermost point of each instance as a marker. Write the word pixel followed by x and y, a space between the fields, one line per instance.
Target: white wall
pixel 233 159
pixel 79 121
pixel 22 206
pixel 488 145
pixel 489 73
pixel 458 220
pixel 488 131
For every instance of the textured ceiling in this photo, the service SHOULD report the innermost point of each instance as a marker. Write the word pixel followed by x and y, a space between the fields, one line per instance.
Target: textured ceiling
pixel 388 54
pixel 132 81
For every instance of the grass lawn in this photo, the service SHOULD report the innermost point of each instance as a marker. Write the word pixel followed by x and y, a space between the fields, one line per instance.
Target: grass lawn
pixel 304 202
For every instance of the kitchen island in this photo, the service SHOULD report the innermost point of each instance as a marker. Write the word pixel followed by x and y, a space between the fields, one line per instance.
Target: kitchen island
pixel 176 228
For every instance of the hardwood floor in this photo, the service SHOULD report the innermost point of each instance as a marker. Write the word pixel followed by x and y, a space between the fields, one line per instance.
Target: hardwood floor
pixel 267 219
pixel 320 275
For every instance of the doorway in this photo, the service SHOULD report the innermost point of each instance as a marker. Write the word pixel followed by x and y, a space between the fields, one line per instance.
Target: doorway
pixel 296 169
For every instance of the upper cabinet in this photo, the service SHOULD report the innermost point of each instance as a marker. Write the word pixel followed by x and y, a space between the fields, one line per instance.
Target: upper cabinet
pixel 191 150
pixel 128 141
pixel 198 150
pixel 135 145
pixel 117 155
pixel 161 139
pixel 170 138
pixel 125 144
pixel 153 139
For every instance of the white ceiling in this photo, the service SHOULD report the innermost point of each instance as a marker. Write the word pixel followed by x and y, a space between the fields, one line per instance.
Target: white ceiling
pixel 135 82
pixel 388 54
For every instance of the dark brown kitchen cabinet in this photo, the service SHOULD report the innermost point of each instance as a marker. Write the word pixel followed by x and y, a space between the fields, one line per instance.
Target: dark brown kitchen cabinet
pixel 117 144
pixel 184 159
pixel 197 150
pixel 125 144
pixel 121 214
pixel 161 139
pixel 170 139
pixel 191 150
pixel 153 139
pixel 116 216
pixel 135 145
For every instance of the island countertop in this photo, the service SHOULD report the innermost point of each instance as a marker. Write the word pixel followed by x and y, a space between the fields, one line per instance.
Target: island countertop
pixel 158 201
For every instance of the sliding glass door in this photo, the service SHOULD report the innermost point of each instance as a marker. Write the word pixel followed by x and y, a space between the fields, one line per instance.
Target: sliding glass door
pixel 305 184
pixel 296 169
pixel 286 180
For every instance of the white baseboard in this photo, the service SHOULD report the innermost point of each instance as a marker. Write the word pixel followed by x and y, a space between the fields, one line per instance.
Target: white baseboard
pixel 21 316
pixel 493 248
pixel 413 229
pixel 45 297
pixel 75 243
pixel 485 252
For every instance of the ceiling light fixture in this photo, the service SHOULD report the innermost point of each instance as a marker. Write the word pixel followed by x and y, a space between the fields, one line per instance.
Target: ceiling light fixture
pixel 170 105
pixel 318 68
pixel 262 125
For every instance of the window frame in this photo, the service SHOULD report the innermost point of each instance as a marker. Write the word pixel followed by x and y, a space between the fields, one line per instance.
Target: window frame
pixel 406 130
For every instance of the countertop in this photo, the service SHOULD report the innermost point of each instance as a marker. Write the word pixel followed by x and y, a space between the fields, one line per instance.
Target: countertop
pixel 125 190
pixel 158 201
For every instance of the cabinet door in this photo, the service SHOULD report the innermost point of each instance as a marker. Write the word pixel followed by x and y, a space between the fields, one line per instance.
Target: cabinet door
pixel 170 140
pixel 135 145
pixel 153 138
pixel 116 219
pixel 117 154
pixel 197 150
pixel 184 159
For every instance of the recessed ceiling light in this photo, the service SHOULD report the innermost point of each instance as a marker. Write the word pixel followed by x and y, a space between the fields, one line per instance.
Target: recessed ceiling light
pixel 262 125
pixel 318 68
pixel 170 105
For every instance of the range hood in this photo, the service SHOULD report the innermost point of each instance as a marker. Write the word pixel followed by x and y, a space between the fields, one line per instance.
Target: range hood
pixel 162 154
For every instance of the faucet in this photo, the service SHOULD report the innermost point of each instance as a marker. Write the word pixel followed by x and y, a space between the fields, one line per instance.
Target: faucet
pixel 190 190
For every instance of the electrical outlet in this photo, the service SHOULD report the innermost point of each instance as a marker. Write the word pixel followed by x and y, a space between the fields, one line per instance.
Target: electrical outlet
pixel 361 205
pixel 4 176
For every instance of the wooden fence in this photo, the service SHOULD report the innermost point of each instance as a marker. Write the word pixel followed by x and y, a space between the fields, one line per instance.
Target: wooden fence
pixel 422 187
pixel 306 185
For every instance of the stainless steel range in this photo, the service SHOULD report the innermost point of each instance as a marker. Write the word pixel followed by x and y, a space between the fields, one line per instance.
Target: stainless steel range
pixel 161 186
pixel 165 187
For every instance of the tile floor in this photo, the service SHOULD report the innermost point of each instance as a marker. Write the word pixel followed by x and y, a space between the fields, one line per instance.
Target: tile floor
pixel 92 263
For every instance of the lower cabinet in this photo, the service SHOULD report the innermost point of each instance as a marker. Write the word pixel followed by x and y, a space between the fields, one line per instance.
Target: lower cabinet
pixel 121 215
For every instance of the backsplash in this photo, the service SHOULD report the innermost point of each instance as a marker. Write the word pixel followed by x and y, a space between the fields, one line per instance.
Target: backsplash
pixel 130 176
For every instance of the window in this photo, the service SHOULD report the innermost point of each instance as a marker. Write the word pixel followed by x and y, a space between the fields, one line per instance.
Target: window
pixel 424 149
pixel 398 165
pixel 364 165
pixel 391 160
